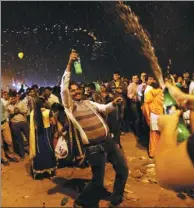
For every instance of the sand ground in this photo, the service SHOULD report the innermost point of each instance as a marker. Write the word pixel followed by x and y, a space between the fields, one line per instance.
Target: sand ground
pixel 142 190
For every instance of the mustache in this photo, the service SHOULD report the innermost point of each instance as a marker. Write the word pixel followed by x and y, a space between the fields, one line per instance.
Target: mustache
pixel 77 93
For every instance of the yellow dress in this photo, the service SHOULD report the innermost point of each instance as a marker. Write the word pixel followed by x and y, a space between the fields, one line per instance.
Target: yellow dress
pixel 41 145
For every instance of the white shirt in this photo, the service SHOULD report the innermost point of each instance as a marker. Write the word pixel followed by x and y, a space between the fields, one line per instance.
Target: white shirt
pixel 148 88
pixel 53 99
pixel 5 102
pixel 191 88
pixel 140 90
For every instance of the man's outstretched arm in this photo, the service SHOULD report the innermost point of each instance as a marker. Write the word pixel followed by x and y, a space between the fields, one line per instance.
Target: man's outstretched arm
pixel 65 96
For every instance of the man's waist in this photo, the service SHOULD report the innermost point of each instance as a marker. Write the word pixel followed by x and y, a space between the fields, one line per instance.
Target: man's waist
pixel 93 143
pixel 95 148
pixel 96 141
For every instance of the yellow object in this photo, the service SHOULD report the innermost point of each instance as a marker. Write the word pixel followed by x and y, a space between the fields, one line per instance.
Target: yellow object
pixel 46 122
pixel 20 55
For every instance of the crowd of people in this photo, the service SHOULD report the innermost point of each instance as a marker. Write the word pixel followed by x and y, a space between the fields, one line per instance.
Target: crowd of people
pixel 91 117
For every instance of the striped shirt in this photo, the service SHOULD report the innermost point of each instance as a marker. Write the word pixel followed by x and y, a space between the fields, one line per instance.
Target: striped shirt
pixel 90 121
pixel 85 115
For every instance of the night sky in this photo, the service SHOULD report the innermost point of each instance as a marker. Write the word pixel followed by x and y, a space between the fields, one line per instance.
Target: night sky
pixel 47 31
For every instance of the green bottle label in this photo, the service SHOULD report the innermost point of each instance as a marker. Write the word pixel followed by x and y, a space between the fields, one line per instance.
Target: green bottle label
pixel 78 69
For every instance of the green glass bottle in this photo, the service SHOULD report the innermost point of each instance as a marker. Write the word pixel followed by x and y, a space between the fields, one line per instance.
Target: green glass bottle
pixel 169 107
pixel 77 64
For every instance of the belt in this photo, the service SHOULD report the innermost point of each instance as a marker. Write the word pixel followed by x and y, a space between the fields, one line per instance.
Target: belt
pixel 95 149
pixel 2 122
pixel 92 149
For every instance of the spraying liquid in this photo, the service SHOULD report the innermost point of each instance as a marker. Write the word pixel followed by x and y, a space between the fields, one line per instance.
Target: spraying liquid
pixel 123 16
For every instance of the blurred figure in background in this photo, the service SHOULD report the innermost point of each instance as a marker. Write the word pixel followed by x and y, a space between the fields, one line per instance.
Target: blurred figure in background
pixel 6 138
pixel 186 82
pixel 56 91
pixel 30 101
pixel 17 111
pixel 133 104
pixel 112 118
pixel 179 82
pixel 91 94
pixel 50 96
pixel 5 98
pixel 191 86
pixel 118 88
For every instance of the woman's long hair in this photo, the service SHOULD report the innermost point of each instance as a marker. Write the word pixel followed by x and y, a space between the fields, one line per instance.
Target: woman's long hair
pixel 39 103
pixel 61 116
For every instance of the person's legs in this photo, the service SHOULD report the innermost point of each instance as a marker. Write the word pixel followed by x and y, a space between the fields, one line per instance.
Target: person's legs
pixel 113 124
pixel 6 134
pixel 25 129
pixel 117 159
pixel 91 194
pixel 4 160
pixel 154 139
pixel 16 132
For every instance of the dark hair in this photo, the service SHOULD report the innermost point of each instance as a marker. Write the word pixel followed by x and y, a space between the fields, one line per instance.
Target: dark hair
pixel 56 89
pixel 73 83
pixel 117 72
pixel 4 92
pixel 41 90
pixel 12 93
pixel 23 95
pixel 147 76
pixel 155 85
pixel 39 103
pixel 92 86
pixel 48 88
pixel 58 107
pixel 28 90
pixel 135 75
pixel 34 86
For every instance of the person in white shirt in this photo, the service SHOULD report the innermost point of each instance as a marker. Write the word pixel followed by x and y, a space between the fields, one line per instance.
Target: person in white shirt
pixel 191 86
pixel 141 87
pixel 5 98
pixel 29 100
pixel 51 97
pixel 133 104
pixel 17 111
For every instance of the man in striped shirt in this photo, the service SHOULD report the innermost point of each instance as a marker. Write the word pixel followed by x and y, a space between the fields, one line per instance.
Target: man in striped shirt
pixel 94 133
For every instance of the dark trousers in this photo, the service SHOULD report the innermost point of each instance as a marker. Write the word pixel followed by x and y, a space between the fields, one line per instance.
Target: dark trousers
pixel 17 129
pixel 144 135
pixel 114 125
pixel 134 117
pixel 97 156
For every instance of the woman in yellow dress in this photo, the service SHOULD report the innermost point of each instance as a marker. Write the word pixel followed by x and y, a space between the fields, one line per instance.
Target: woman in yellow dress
pixel 41 140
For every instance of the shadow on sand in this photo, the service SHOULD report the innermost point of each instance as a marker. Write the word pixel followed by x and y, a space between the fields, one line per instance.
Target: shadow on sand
pixel 72 187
